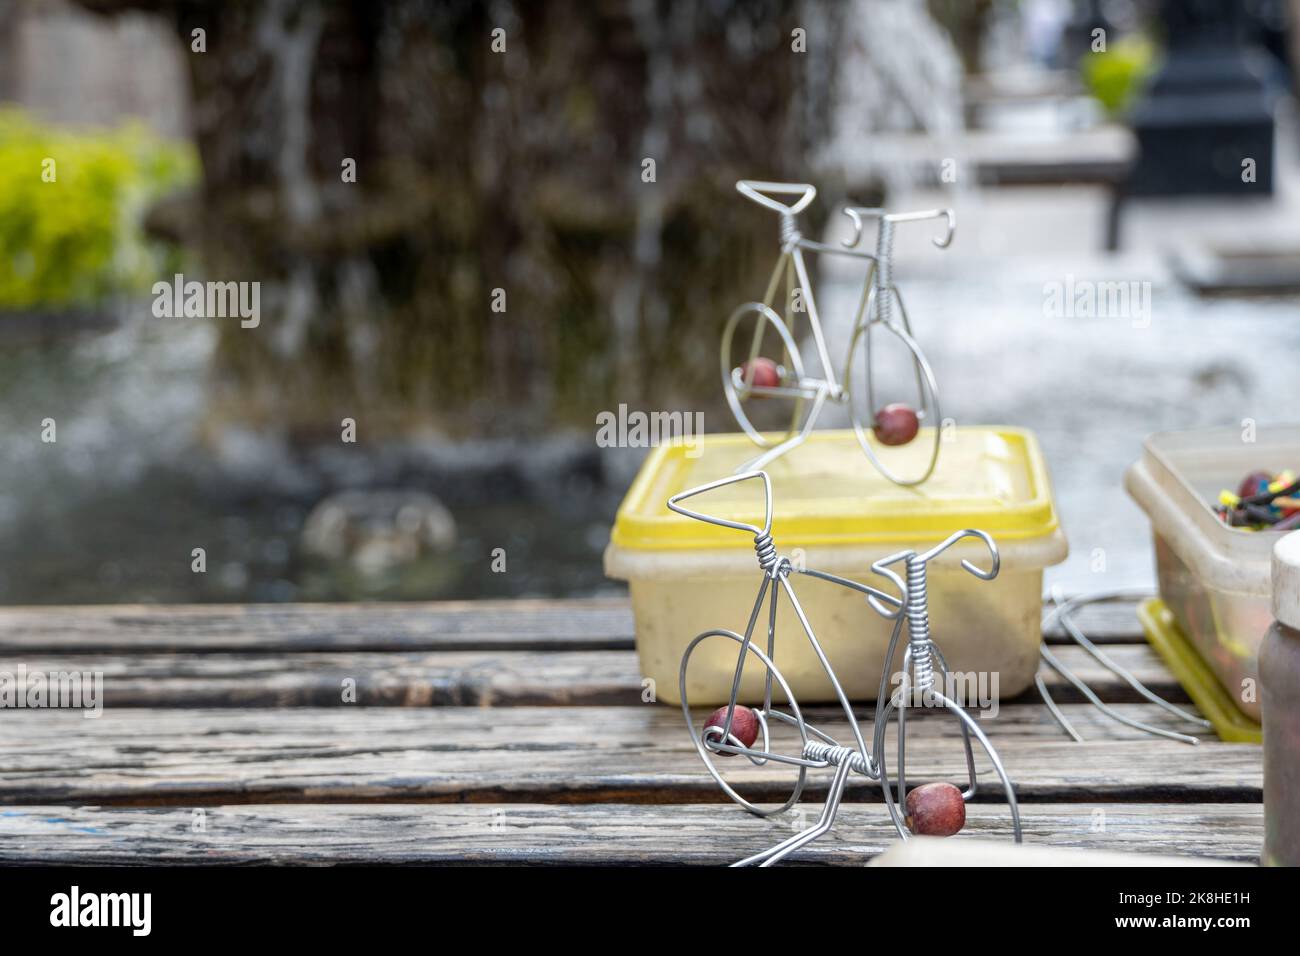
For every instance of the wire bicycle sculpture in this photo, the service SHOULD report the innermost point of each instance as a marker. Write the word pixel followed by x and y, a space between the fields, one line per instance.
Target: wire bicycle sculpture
pixel 764 379
pixel 924 678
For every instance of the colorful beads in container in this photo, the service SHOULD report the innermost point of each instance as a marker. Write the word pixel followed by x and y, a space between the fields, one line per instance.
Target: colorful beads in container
pixel 1262 502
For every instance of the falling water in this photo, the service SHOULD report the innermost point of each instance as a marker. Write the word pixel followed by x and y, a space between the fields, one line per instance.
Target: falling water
pixel 897 72
pixel 292 43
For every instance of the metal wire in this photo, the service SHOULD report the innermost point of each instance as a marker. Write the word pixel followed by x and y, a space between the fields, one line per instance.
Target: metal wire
pixel 924 672
pixel 1063 612
pixel 918 624
pixel 876 309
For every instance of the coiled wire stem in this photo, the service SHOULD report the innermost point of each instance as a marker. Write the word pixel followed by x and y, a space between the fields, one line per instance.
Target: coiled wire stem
pixel 790 235
pixel 768 559
pixel 834 755
pixel 918 625
pixel 884 278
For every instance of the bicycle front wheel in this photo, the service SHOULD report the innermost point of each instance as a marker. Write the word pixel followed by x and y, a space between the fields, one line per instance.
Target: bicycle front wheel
pixel 914 462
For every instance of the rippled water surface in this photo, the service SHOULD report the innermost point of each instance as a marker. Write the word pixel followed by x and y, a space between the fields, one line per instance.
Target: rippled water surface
pixel 114 508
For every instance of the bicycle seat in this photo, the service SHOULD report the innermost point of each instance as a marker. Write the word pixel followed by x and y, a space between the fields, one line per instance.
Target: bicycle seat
pixel 674 503
pixel 759 192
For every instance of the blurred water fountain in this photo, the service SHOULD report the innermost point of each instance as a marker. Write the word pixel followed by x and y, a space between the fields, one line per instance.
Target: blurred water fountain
pixel 896 111
pixel 897 72
pixel 141 476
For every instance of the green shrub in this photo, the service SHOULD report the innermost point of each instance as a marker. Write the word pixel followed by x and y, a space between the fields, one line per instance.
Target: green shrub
pixel 1118 75
pixel 77 239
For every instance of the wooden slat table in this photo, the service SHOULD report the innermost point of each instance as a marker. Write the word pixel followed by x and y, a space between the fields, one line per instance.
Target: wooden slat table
pixel 510 732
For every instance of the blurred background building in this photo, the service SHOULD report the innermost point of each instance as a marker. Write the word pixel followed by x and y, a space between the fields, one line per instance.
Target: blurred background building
pixel 476 226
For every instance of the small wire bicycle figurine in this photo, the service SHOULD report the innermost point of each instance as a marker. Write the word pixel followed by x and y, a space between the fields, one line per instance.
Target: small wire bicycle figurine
pixel 760 378
pixel 924 680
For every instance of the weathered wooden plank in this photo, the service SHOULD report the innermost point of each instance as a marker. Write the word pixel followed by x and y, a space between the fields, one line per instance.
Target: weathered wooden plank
pixel 1105 622
pixel 452 678
pixel 580 624
pixel 464 678
pixel 591 835
pixel 522 754
pixel 588 623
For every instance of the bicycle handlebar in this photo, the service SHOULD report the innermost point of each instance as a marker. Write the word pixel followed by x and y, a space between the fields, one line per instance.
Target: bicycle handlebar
pixel 857 213
pixel 925 557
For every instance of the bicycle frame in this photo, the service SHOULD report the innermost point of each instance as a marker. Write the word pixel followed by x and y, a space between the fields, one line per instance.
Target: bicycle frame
pixel 875 307
pixel 920 661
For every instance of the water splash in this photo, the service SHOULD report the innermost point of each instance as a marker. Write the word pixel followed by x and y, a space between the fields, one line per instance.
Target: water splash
pixel 897 72
pixel 291 42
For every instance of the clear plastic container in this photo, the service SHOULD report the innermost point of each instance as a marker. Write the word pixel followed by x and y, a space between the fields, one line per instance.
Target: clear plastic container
pixel 1213 577
pixel 1279 675
pixel 835 513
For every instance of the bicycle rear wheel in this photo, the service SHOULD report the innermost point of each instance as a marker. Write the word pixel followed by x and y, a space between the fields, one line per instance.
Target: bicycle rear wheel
pixel 762 375
pixel 763 752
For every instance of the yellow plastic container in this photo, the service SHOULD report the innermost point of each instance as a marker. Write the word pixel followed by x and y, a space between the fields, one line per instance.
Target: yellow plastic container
pixel 834 512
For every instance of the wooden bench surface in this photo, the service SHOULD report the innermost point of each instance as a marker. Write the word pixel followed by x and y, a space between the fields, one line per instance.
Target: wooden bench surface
pixel 1100 155
pixel 512 732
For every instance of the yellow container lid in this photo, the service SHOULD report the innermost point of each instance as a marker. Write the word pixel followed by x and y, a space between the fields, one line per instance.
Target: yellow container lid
pixel 826 492
pixel 1201 684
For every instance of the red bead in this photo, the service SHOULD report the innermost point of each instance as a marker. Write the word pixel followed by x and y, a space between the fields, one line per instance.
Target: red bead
pixel 935 809
pixel 744 727
pixel 766 374
pixel 896 424
pixel 1253 484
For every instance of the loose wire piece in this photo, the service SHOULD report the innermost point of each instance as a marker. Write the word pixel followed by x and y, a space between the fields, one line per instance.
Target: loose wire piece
pixel 1062 612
